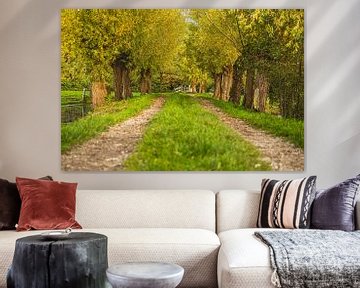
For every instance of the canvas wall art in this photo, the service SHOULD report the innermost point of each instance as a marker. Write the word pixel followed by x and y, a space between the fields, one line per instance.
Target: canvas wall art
pixel 182 89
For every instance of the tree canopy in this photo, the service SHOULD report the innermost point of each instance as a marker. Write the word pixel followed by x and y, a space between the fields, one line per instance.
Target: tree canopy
pixel 254 58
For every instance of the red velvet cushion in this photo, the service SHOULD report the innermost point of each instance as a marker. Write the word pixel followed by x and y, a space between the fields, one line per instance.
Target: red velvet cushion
pixel 46 204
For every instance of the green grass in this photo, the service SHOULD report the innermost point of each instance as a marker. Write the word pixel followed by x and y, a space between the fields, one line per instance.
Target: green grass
pixel 72 96
pixel 184 136
pixel 101 119
pixel 68 97
pixel 290 129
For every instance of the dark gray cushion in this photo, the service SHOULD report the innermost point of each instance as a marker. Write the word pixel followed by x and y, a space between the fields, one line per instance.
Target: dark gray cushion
pixel 10 204
pixel 334 208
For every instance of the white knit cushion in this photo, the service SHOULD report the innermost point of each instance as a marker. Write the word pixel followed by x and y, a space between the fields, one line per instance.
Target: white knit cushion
pixel 244 261
pixel 146 209
pixel 196 250
pixel 236 209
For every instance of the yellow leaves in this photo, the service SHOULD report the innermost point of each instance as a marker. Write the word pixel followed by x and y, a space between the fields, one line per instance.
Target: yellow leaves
pixel 156 37
pixel 256 15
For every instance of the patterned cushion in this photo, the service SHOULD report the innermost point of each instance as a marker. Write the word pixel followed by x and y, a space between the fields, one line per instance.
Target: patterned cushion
pixel 286 204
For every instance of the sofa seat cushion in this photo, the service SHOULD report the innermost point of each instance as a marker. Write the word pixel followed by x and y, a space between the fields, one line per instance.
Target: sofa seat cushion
pixel 244 261
pixel 196 250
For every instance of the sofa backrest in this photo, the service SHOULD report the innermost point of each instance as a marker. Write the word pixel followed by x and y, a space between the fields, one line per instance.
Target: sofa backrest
pixel 236 209
pixel 146 209
pixel 239 209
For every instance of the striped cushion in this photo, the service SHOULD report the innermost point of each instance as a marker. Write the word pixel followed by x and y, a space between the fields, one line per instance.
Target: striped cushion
pixel 286 204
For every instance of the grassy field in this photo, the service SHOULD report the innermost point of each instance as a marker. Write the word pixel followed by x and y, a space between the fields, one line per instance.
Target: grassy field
pixel 99 120
pixel 185 137
pixel 72 96
pixel 69 97
pixel 290 129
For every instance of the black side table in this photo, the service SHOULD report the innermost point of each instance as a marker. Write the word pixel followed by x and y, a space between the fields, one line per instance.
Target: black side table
pixel 78 261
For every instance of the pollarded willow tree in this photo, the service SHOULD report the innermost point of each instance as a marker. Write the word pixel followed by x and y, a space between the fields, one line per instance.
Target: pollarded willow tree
pixel 252 50
pixel 187 66
pixel 211 51
pixel 273 52
pixel 97 42
pixel 93 38
pixel 288 72
pixel 159 33
pixel 255 53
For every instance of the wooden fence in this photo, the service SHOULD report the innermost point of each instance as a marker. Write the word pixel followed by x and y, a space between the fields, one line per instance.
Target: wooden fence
pixel 77 108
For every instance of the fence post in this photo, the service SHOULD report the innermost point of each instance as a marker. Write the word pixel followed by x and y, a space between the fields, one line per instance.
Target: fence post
pixel 83 106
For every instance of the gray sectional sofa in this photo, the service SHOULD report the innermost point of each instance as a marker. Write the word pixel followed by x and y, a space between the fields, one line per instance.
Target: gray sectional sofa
pixel 209 234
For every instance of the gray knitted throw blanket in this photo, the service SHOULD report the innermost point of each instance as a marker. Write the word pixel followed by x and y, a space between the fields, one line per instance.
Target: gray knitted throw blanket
pixel 313 258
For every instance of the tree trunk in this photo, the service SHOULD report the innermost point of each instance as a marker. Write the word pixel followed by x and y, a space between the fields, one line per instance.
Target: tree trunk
pixel 301 70
pixel 98 92
pixel 79 261
pixel 143 88
pixel 202 87
pixel 118 80
pixel 193 87
pixel 249 90
pixel 145 81
pixel 122 81
pixel 127 84
pixel 148 80
pixel 263 85
pixel 226 82
pixel 235 91
pixel 217 86
pixel 161 81
pixel 284 106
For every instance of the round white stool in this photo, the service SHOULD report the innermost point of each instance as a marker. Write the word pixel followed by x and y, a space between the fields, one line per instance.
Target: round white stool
pixel 145 275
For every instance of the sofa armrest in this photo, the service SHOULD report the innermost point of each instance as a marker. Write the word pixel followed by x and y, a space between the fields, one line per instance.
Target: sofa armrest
pixel 357 215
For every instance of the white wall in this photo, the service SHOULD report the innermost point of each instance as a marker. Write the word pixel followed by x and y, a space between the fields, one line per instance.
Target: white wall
pixel 30 97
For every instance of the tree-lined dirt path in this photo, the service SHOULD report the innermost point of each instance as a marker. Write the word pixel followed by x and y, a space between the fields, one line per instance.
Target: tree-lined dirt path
pixel 109 150
pixel 283 155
